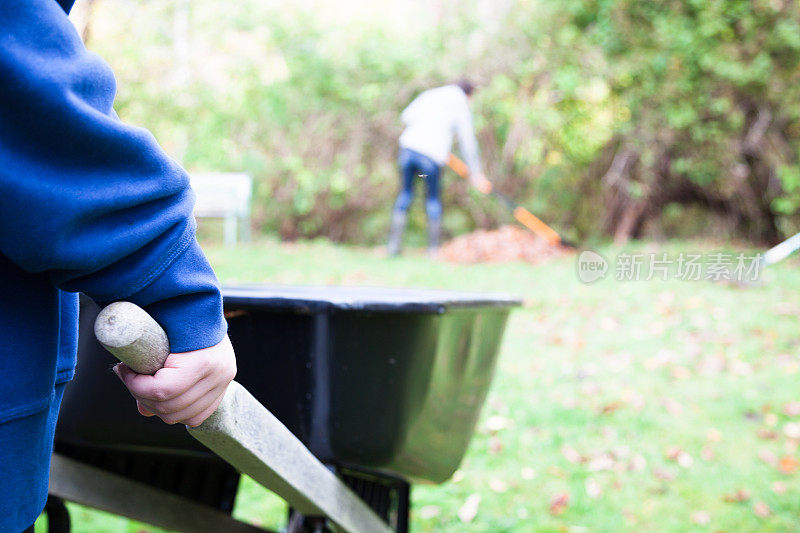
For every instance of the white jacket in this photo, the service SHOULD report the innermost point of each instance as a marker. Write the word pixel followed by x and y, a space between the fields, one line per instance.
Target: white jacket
pixel 431 121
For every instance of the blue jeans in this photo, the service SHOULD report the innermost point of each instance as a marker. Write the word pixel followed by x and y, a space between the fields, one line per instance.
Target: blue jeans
pixel 413 164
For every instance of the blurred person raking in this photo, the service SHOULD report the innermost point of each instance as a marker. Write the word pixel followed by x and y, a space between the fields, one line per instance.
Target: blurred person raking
pixel 431 121
pixel 87 204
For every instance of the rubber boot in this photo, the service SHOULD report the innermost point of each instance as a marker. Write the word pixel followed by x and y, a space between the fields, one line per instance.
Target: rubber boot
pixel 396 230
pixel 434 231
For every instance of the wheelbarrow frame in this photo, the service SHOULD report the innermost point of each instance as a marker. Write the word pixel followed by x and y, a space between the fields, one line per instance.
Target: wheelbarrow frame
pixel 376 476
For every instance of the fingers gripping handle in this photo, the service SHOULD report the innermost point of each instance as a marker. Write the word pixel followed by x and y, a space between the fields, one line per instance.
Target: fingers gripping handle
pixel 128 332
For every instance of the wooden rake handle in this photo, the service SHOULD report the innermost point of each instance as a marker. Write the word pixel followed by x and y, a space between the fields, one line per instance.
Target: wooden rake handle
pixel 242 431
pixel 133 337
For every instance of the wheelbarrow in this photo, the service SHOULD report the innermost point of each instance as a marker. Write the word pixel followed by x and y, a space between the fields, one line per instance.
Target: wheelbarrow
pixel 382 386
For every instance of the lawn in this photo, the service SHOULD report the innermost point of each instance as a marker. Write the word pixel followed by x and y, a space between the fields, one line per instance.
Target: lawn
pixel 617 406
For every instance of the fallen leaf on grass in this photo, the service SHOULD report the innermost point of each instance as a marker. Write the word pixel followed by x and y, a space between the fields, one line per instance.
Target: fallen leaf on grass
pixel 766 434
pixel 753 416
pixel 571 454
pixel 589 389
pixel 429 511
pixel 685 460
pixel 701 518
pixel 495 445
pixel 694 302
pixel 601 462
pixel 666 475
pixel 771 419
pixel 609 408
pixel 638 463
pixel 621 451
pixel 707 453
pixel 739 496
pixel 630 516
pixel 672 407
pixel 788 464
pixel 741 368
pixel 633 399
pixel 674 453
pixel 790 367
pixel 559 503
pixel 498 485
pixel 779 487
pixel 609 324
pixel 768 457
pixel 786 309
pixel 593 489
pixel 710 365
pixel 496 404
pixel 762 510
pixel 792 430
pixel 469 510
pixel 713 435
pixel 497 423
pixel 680 372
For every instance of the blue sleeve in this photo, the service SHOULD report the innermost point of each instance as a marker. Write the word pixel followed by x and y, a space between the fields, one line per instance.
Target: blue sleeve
pixel 87 201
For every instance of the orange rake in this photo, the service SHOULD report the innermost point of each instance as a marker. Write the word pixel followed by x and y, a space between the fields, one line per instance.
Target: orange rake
pixel 523 216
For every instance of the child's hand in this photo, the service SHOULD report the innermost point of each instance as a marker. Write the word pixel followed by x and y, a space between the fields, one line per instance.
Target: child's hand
pixel 189 387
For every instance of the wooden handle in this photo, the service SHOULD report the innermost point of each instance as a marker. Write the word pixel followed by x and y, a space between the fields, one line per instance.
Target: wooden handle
pixel 128 332
pixel 242 431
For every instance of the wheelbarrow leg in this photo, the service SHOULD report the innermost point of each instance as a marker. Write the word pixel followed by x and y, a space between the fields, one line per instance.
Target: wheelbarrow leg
pixel 299 523
pixel 57 515
pixel 398 517
pixel 403 507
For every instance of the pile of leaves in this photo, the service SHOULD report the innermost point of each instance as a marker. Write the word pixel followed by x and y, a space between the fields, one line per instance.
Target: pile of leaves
pixel 508 243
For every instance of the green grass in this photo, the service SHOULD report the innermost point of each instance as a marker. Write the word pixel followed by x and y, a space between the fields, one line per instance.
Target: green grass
pixel 645 402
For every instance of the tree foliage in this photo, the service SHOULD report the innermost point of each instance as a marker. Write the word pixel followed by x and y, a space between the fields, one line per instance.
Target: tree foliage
pixel 606 117
pixel 712 90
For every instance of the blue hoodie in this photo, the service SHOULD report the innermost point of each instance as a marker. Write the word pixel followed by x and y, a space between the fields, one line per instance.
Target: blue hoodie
pixel 87 203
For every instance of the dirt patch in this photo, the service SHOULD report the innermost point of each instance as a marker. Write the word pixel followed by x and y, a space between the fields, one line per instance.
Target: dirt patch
pixel 503 245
